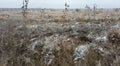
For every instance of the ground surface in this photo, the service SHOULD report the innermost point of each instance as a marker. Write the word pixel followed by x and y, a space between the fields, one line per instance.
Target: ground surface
pixel 49 38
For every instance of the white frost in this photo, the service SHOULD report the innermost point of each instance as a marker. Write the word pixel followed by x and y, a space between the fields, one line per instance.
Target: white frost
pixel 80 52
pixel 102 39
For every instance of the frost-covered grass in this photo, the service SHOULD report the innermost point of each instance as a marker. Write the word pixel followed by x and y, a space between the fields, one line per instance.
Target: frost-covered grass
pixel 59 44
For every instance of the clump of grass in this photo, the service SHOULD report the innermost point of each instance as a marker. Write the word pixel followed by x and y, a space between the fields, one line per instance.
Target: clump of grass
pixel 78 19
pixel 11 45
pixel 92 57
pixel 61 19
pixel 64 57
pixel 114 36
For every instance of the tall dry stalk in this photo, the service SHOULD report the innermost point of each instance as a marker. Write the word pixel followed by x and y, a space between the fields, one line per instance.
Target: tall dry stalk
pixel 42 11
pixel 88 9
pixel 66 11
pixel 94 10
pixel 25 8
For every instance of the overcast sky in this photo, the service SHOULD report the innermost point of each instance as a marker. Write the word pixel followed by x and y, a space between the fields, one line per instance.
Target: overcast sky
pixel 60 3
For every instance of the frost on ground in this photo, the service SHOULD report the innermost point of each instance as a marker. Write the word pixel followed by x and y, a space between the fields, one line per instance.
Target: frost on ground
pixel 80 52
pixel 59 44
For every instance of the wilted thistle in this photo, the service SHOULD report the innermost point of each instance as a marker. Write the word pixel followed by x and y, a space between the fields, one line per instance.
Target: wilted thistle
pixel 66 10
pixel 25 8
pixel 42 11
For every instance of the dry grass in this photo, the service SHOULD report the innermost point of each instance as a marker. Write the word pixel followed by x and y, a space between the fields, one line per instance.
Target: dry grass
pixel 15 39
pixel 59 16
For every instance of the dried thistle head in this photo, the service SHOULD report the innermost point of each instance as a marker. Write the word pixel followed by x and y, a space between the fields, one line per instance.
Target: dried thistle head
pixel 24 8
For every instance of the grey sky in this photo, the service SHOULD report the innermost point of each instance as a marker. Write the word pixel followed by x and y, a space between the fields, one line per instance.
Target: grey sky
pixel 60 3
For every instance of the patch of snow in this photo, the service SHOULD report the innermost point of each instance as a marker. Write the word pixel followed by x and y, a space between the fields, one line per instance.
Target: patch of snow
pixel 32 45
pixel 32 26
pixel 101 39
pixel 117 26
pixel 33 39
pixel 90 35
pixel 77 23
pixel 101 49
pixel 49 59
pixel 80 52
pixel 53 41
